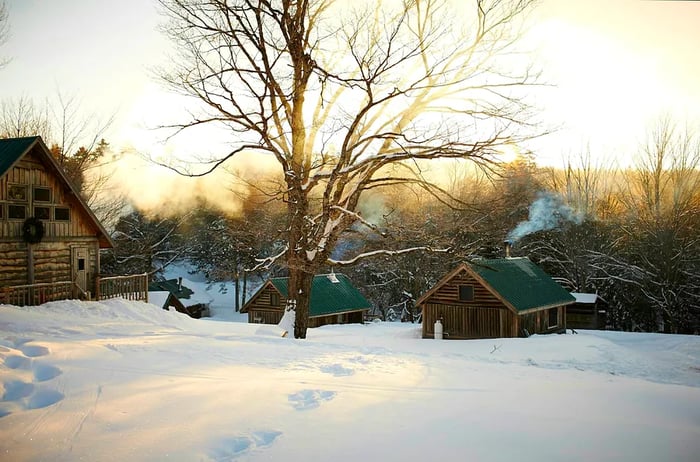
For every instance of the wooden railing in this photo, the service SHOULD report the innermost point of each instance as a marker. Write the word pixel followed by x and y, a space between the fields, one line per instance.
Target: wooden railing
pixel 134 287
pixel 36 294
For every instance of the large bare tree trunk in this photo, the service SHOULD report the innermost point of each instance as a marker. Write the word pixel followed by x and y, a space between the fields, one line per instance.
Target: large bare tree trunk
pixel 299 294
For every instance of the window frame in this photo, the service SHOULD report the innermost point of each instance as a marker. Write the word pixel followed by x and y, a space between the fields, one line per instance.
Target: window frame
pixel 9 211
pixel 42 188
pixel 48 215
pixel 551 311
pixel 17 186
pixel 56 209
pixel 462 295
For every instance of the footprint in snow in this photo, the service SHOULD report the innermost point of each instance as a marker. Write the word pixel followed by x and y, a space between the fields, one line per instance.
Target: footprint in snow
pixel 44 398
pixel 232 447
pixel 44 372
pixel 309 399
pixel 18 362
pixel 34 351
pixel 16 390
pixel 337 370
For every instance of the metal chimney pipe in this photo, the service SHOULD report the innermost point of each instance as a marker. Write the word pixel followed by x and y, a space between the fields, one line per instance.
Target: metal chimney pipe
pixel 506 245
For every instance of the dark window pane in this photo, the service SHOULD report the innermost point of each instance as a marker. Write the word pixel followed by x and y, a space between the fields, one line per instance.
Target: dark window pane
pixel 42 213
pixel 17 193
pixel 61 214
pixel 81 264
pixel 466 293
pixel 18 212
pixel 553 317
pixel 42 194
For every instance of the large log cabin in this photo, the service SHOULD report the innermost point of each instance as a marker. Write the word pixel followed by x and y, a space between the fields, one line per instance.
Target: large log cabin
pixel 48 234
pixel 508 297
pixel 334 300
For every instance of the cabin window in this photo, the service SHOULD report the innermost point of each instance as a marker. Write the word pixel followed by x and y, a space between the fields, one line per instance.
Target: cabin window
pixel 466 293
pixel 553 317
pixel 16 212
pixel 16 192
pixel 274 298
pixel 61 214
pixel 42 213
pixel 42 194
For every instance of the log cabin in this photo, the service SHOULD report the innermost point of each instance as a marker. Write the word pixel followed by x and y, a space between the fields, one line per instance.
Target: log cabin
pixel 334 300
pixel 507 297
pixel 49 237
pixel 586 313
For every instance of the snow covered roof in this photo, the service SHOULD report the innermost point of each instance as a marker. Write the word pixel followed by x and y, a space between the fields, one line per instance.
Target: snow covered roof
pixel 158 298
pixel 585 298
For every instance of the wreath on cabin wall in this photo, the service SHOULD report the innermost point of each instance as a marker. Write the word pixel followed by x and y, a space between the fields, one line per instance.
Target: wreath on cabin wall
pixel 32 230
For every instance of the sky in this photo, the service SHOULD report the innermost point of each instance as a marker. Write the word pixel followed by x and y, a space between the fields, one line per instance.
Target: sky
pixel 123 380
pixel 615 67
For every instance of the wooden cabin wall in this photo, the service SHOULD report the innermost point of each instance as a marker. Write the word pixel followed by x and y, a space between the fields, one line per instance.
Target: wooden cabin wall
pixel 584 316
pixel 449 293
pixel 469 322
pixel 30 172
pixel 538 322
pixel 354 317
pixel 483 317
pixel 52 262
pixel 267 307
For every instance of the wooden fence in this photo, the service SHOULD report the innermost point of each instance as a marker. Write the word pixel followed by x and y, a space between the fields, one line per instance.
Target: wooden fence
pixel 36 294
pixel 134 287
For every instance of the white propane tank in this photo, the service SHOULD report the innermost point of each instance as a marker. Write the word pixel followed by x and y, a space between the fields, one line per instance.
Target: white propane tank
pixel 438 330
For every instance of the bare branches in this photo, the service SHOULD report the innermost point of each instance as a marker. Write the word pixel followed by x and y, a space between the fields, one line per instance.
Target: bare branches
pixel 391 253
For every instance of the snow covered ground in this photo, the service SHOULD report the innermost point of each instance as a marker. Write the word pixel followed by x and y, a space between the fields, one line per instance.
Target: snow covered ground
pixel 126 381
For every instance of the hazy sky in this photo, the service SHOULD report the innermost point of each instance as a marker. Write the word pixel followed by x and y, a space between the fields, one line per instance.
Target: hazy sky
pixel 616 66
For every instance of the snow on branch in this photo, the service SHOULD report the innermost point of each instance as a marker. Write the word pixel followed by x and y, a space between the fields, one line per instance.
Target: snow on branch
pixel 375 253
pixel 359 218
pixel 268 262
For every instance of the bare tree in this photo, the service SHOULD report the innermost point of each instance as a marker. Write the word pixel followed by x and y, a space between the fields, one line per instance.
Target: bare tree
pixel 22 117
pixel 349 98
pixel 4 31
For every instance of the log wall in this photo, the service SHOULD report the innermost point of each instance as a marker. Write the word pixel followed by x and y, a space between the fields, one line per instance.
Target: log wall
pixel 52 256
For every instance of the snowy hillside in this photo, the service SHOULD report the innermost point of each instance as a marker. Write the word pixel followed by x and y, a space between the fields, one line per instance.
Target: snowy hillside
pixel 125 381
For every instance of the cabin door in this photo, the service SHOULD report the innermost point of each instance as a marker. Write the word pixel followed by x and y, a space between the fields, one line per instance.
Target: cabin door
pixel 80 268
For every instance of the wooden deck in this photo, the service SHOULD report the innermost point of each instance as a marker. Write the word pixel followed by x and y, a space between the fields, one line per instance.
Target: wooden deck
pixel 132 287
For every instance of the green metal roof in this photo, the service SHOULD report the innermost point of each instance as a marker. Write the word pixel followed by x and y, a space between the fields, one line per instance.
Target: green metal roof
pixel 327 296
pixel 521 283
pixel 12 149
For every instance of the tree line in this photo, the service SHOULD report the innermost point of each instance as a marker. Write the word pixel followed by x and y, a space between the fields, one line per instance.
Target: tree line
pixel 631 235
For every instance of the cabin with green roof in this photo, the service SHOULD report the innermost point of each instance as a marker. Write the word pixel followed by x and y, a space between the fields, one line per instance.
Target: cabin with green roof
pixel 49 237
pixel 509 297
pixel 334 300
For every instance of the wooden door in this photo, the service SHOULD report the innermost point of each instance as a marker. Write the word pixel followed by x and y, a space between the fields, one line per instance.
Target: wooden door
pixel 80 269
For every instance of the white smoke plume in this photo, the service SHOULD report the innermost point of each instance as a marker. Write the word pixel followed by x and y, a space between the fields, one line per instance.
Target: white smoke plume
pixel 547 212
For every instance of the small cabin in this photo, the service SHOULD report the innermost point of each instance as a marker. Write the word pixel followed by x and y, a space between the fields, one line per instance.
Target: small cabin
pixel 510 297
pixel 49 237
pixel 181 298
pixel 587 312
pixel 333 300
